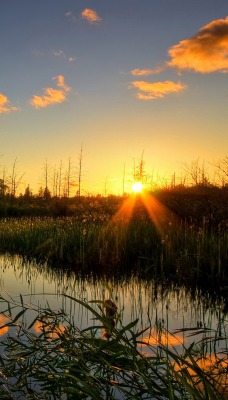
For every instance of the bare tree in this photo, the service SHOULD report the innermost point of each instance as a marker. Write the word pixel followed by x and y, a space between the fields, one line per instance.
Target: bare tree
pixel 139 172
pixel 14 179
pixel 3 186
pixel 81 157
pixel 60 179
pixel 196 173
pixel 68 178
pixel 46 179
pixel 222 170
pixel 55 182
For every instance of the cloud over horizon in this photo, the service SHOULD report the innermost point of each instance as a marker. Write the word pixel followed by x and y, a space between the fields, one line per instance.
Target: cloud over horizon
pixel 52 96
pixel 151 91
pixel 205 52
pixel 5 105
pixel 90 15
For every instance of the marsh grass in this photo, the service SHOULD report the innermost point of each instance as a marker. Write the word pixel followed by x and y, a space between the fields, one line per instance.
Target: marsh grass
pixel 188 252
pixel 53 359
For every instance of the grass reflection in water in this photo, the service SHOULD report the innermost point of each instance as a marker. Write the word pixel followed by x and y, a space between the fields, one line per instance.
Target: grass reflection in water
pixel 149 352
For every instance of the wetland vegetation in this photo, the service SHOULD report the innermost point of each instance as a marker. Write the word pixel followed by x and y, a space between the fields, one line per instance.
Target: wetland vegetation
pixel 53 359
pixel 175 237
pixel 178 234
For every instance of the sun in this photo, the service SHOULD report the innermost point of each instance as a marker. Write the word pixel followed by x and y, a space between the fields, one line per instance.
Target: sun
pixel 137 187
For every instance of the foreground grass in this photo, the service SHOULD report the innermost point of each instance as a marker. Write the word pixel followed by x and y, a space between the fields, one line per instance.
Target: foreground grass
pixel 53 359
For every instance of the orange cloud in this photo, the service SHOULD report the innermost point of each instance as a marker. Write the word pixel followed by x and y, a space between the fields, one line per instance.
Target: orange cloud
pixel 90 15
pixel 205 52
pixel 5 105
pixel 145 72
pixel 61 83
pixel 151 91
pixel 52 96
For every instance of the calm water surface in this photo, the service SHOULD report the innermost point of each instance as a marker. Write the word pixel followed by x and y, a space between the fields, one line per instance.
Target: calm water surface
pixel 153 305
pixel 156 306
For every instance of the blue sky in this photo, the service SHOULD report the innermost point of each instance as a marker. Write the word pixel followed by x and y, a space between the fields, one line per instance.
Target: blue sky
pixel 117 77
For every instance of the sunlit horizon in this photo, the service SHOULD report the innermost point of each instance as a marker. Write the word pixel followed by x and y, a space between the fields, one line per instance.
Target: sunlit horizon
pixel 120 185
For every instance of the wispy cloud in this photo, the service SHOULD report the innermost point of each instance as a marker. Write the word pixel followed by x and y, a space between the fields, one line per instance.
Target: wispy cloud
pixel 61 54
pixel 52 96
pixel 146 72
pixel 205 52
pixel 90 15
pixel 151 91
pixel 70 15
pixel 71 58
pixel 5 105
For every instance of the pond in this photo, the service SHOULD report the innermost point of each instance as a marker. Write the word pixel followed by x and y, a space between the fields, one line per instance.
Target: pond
pixel 155 305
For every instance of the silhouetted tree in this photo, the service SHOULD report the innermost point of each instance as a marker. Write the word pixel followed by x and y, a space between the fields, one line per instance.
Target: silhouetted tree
pixel 69 177
pixel 14 179
pixel 3 188
pixel 47 194
pixel 222 170
pixel 81 156
pixel 139 172
pixel 60 179
pixel 28 193
pixel 196 173
pixel 45 180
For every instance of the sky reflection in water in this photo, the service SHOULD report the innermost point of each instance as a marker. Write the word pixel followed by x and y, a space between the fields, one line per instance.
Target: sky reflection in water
pixel 158 308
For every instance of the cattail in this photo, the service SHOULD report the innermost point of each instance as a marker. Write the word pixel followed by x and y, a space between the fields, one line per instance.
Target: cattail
pixel 110 311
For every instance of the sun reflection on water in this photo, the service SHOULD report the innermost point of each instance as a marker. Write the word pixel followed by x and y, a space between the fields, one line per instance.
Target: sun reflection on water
pixel 156 337
pixel 3 320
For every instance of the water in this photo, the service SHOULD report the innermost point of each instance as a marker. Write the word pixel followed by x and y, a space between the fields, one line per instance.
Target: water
pixel 166 312
pixel 154 305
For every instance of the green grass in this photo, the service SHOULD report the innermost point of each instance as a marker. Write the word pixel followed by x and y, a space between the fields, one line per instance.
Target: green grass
pixel 97 243
pixel 59 361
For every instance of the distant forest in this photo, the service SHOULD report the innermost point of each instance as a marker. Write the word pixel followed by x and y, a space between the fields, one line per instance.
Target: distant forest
pixel 195 197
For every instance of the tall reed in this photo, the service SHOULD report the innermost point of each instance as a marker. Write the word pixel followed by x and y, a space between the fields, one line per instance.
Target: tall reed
pixel 53 359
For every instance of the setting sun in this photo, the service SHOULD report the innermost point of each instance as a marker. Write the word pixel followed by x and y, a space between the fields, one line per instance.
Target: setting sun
pixel 137 187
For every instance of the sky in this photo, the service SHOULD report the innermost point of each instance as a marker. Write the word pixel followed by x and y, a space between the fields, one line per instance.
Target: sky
pixel 116 78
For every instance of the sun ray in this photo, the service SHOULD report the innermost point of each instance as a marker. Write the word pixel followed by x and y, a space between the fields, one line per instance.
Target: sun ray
pixel 159 214
pixel 124 214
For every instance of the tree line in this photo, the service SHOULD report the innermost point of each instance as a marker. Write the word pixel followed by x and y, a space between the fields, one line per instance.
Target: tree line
pixel 66 182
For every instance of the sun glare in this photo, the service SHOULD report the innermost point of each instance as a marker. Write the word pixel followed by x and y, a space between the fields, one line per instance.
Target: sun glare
pixel 137 187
